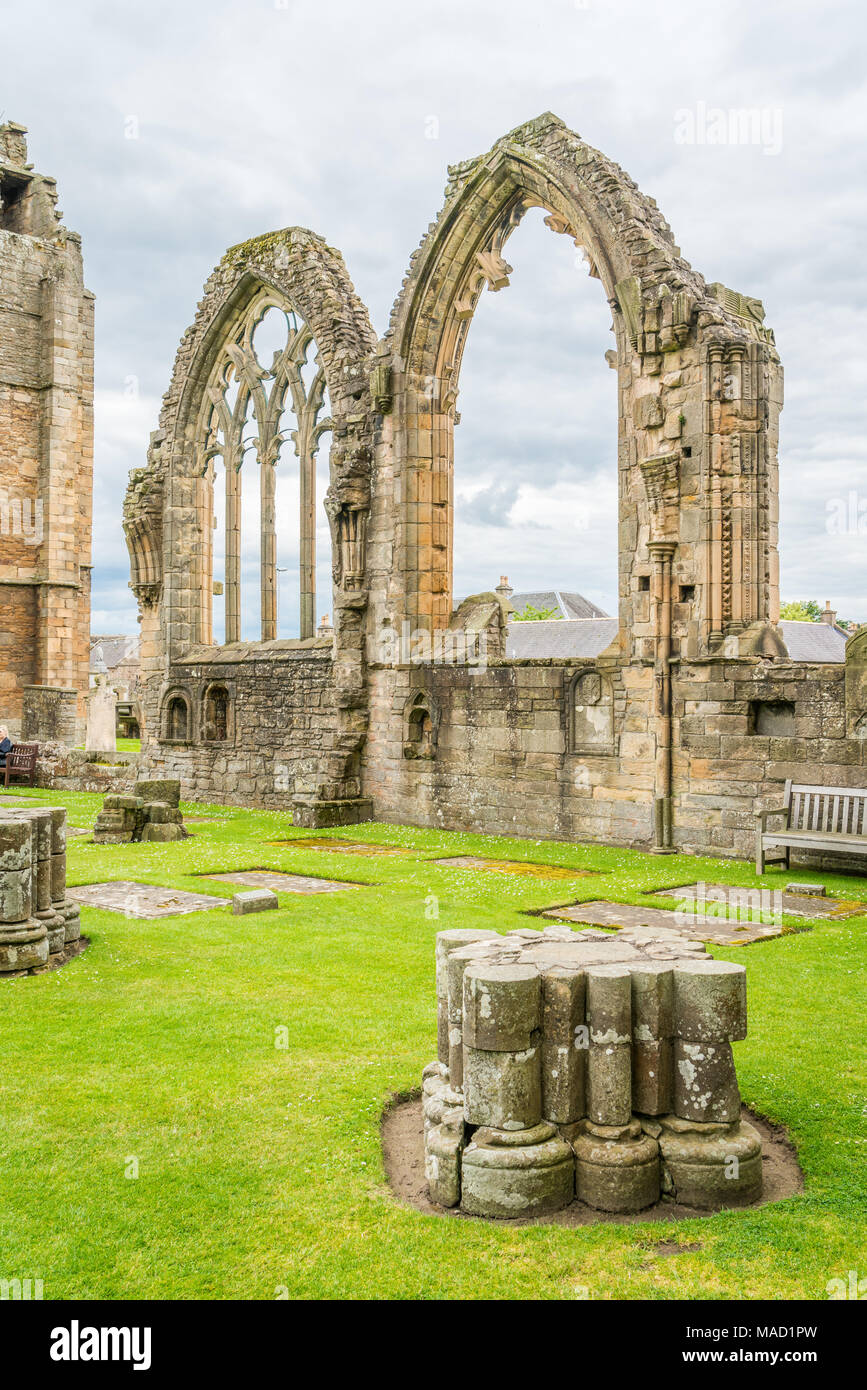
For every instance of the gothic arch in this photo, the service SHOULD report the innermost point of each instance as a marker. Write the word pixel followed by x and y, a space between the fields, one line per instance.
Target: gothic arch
pixel 672 333
pixel 296 271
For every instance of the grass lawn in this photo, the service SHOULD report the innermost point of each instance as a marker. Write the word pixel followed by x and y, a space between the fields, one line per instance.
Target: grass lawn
pixel 242 1065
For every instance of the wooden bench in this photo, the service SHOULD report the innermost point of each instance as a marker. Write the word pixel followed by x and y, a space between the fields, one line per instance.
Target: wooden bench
pixel 817 818
pixel 21 763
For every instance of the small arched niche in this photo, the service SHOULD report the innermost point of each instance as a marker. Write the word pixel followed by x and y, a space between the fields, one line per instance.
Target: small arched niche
pixel 420 727
pixel 176 721
pixel 217 713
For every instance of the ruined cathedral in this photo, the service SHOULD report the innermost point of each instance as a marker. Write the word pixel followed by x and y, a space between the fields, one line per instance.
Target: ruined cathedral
pixel 669 733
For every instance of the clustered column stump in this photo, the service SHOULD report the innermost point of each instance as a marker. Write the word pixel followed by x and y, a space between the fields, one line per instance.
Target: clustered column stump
pixel 37 920
pixel 578 1064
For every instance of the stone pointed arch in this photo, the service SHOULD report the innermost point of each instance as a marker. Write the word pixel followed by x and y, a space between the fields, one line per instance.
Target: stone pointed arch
pixel 294 269
pixel 681 346
pixel 168 515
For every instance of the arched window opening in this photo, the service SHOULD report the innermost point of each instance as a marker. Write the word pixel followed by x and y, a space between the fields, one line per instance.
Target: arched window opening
pixel 536 469
pixel 215 721
pixel 266 396
pixel 177 719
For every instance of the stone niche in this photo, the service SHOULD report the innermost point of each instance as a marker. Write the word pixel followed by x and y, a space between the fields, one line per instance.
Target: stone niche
pixel 577 1065
pixel 591 714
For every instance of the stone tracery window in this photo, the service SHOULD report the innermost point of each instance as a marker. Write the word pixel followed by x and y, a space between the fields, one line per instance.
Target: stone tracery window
pixel 247 414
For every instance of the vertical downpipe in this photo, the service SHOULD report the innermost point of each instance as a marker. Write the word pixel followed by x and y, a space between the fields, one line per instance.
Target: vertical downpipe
pixel 662 552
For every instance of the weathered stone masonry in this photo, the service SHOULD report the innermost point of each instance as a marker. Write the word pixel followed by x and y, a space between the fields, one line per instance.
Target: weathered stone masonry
pixel 46 455
pixel 673 736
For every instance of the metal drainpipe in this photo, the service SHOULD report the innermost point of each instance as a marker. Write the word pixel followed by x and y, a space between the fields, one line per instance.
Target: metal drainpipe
pixel 662 552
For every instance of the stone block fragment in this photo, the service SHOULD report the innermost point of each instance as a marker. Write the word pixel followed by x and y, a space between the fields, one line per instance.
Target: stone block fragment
pixel 444 1146
pixel 705 1084
pixel 71 914
pixel 523 1173
pixel 616 1167
pixel 710 1000
pixel 58 829
pixel 710 1166
pixel 502 1089
pixel 162 834
pixel 57 879
pixel 448 941
pixel 16 894
pixel 609 1057
pixel 23 946
pixel 16 840
pixel 457 962
pixel 168 790
pixel 564 1044
pixel 255 900
pixel 652 1029
pixel 500 1007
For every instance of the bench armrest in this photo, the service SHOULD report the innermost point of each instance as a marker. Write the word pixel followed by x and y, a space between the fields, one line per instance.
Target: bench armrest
pixel 762 817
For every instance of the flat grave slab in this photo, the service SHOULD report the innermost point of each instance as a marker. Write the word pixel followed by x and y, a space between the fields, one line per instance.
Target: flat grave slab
pixel 511 866
pixel 726 897
pixel 146 900
pixel 345 847
pixel 284 883
pixel 664 924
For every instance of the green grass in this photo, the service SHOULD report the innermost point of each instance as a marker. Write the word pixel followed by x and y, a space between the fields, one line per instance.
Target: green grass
pixel 259 1166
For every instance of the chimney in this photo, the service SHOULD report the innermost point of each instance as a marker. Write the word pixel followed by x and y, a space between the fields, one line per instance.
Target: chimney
pixel 325 628
pixel 504 590
pixel 829 616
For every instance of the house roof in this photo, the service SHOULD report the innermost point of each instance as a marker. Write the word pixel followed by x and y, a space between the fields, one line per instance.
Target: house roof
pixel 587 637
pixel 813 641
pixel 566 604
pixel 559 637
pixel 108 652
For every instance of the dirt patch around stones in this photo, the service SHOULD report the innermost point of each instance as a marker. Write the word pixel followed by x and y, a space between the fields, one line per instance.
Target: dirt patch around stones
pixel 511 866
pixel 403 1155
pixel 346 847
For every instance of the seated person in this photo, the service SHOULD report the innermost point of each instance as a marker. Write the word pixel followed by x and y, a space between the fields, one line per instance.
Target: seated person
pixel 5 744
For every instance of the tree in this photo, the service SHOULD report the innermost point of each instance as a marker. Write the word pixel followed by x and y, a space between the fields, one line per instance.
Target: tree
pixel 534 615
pixel 801 611
pixel 808 611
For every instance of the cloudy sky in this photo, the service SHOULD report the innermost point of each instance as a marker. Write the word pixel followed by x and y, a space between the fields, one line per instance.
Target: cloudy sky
pixel 176 130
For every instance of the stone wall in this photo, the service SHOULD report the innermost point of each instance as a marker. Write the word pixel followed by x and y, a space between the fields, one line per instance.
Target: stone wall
pixel 46 440
pixel 280 726
pixel 60 768
pixel 504 762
